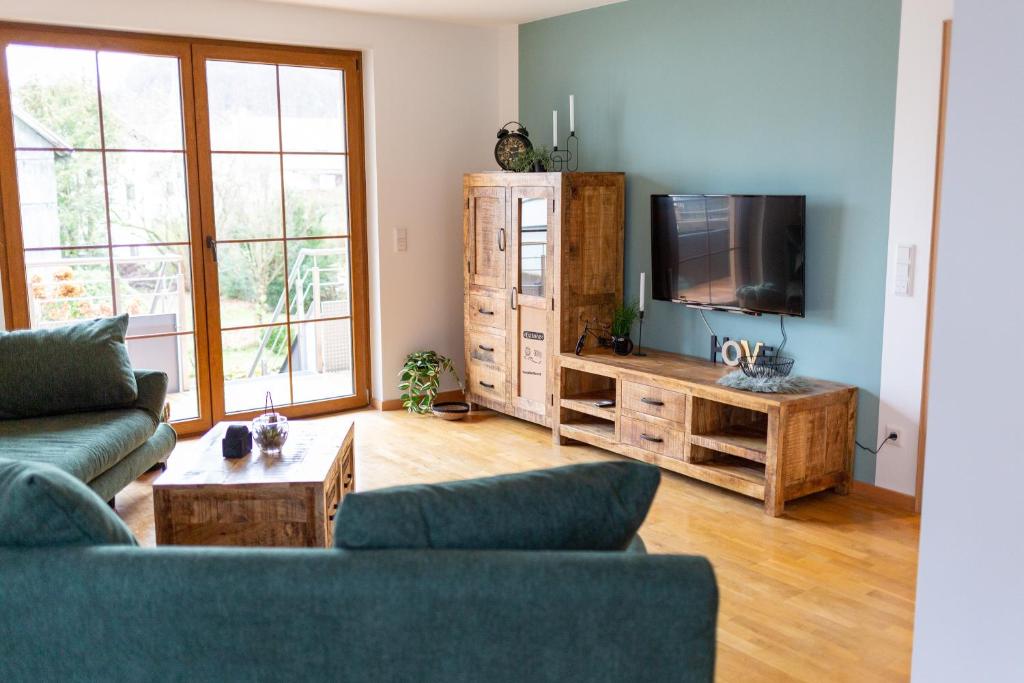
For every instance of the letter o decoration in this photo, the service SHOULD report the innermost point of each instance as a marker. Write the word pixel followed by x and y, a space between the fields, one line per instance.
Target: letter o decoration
pixel 731 352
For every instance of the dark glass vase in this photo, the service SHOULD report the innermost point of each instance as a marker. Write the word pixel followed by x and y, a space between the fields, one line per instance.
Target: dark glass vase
pixel 622 346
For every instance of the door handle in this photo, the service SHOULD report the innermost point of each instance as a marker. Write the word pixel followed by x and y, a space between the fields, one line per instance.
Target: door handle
pixel 211 244
pixel 653 439
pixel 515 298
pixel 652 401
pixel 488 349
pixel 501 239
pixel 486 385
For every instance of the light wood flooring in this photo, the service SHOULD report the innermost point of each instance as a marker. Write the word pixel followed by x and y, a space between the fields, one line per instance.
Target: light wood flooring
pixel 824 593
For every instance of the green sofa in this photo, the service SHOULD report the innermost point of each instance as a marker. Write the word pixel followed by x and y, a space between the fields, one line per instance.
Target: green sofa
pixel 106 449
pixel 69 397
pixel 79 601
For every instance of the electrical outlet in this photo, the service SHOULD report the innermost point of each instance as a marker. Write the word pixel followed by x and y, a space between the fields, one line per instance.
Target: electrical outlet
pixel 898 441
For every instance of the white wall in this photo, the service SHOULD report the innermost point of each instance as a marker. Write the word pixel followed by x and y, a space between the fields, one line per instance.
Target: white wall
pixel 910 223
pixel 970 593
pixel 435 95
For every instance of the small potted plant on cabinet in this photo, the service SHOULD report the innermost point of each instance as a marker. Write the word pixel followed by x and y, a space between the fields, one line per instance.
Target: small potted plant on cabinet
pixel 622 324
pixel 419 381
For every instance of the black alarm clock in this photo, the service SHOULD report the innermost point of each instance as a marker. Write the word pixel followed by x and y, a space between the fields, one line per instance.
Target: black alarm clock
pixel 511 143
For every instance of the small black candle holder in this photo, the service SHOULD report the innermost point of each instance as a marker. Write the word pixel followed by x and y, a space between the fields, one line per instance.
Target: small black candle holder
pixel 640 339
pixel 567 159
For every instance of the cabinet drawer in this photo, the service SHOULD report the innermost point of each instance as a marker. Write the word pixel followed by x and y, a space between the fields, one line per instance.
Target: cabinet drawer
pixel 651 436
pixel 486 348
pixel 654 401
pixel 486 311
pixel 486 381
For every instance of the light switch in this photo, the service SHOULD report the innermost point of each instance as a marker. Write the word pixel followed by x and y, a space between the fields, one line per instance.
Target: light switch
pixel 903 280
pixel 401 239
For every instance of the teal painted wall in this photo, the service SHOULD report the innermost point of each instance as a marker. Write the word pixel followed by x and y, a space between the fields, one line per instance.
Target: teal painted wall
pixel 730 96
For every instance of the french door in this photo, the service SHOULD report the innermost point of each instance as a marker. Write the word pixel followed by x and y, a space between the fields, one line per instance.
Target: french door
pixel 212 191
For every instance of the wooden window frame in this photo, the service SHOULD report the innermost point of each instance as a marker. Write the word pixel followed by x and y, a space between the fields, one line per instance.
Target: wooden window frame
pixel 192 53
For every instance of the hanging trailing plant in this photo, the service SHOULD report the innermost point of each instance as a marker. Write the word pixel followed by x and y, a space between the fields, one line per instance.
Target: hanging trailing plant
pixel 420 378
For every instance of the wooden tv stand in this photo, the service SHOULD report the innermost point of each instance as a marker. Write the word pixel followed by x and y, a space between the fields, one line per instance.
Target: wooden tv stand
pixel 670 411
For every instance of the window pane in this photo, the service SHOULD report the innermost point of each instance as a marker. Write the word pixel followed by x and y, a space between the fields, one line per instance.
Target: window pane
pixel 155 284
pixel 174 355
pixel 68 285
pixel 255 362
pixel 312 109
pixel 316 193
pixel 533 245
pixel 53 93
pixel 322 360
pixel 243 106
pixel 251 277
pixel 61 198
pixel 319 275
pixel 247 195
pixel 148 200
pixel 141 101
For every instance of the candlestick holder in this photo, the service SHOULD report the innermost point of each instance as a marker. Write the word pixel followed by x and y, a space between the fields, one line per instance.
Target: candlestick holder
pixel 640 339
pixel 567 159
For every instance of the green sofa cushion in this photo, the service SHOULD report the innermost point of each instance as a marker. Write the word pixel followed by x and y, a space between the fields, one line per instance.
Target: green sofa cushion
pixel 83 444
pixel 596 506
pixel 44 506
pixel 83 366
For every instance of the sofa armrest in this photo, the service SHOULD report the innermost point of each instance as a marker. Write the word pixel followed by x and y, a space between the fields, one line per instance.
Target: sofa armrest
pixel 152 392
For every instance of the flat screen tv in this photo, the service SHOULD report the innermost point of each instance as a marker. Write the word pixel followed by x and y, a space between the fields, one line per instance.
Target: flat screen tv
pixel 733 252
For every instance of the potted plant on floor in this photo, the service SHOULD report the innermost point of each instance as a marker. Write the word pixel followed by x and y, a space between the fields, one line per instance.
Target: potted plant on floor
pixel 419 381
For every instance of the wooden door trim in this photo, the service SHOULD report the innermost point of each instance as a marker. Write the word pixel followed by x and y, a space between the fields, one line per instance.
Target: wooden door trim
pixel 940 143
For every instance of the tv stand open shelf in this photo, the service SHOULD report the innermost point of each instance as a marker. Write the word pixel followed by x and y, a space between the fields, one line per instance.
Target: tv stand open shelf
pixel 670 411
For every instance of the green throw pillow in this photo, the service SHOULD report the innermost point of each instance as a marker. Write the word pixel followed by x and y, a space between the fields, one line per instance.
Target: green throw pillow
pixel 67 369
pixel 45 506
pixel 596 506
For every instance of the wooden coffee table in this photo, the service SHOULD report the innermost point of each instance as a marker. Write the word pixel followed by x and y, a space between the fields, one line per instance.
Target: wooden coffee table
pixel 258 500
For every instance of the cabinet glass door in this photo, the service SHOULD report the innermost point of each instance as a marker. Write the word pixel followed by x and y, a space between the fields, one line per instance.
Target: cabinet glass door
pixel 531 297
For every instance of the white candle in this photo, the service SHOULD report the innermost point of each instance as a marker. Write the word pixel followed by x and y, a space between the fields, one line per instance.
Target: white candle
pixel 643 291
pixel 572 114
pixel 554 129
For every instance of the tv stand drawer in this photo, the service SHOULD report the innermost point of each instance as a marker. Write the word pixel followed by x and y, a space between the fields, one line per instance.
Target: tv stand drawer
pixel 654 401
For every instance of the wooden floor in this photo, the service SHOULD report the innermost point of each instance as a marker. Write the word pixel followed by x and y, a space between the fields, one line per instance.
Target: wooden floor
pixel 825 593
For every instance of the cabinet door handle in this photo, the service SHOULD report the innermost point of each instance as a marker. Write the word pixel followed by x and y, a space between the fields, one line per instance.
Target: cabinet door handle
pixel 486 385
pixel 501 239
pixel 488 349
pixel 652 401
pixel 515 298
pixel 484 311
pixel 653 439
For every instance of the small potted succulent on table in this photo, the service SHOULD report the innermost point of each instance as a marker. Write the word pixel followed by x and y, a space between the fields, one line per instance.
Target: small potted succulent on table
pixel 270 430
pixel 622 324
pixel 419 381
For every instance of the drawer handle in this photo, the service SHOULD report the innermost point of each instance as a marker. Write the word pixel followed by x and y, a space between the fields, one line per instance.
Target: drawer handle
pixel 485 311
pixel 654 439
pixel 486 385
pixel 652 401
pixel 488 349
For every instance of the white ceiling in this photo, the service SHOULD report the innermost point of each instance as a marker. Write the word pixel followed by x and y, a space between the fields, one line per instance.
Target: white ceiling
pixel 470 11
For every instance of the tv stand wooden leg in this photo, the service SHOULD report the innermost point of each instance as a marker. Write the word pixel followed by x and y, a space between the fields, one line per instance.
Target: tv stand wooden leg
pixel 774 489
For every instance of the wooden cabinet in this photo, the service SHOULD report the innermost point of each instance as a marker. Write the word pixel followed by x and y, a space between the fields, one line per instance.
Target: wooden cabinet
pixel 669 410
pixel 543 254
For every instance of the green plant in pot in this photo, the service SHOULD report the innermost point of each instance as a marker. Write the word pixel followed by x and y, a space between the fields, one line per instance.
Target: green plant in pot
pixel 622 324
pixel 534 159
pixel 419 381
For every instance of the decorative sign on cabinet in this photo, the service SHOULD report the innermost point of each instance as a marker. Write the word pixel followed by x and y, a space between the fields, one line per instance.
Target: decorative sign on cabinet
pixel 544 253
